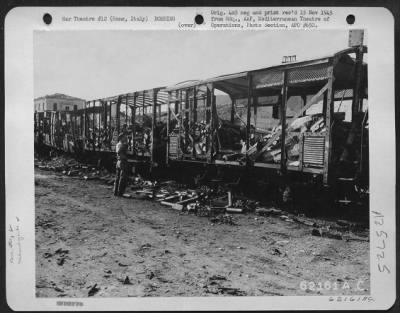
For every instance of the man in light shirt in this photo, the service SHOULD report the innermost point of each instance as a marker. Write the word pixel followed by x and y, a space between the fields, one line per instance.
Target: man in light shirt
pixel 122 167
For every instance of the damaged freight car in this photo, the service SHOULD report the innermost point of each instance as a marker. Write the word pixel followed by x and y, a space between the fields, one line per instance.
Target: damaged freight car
pixel 302 122
pixel 322 104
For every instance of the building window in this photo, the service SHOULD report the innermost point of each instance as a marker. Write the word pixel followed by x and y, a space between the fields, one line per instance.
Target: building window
pixel 54 106
pixel 67 108
pixel 75 107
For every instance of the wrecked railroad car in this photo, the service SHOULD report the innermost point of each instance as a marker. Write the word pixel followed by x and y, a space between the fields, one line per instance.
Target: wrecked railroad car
pixel 59 130
pixel 93 130
pixel 141 115
pixel 298 122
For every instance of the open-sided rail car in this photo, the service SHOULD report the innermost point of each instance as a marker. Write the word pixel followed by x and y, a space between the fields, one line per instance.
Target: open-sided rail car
pixel 322 104
pixel 141 115
pixel 305 121
pixel 59 130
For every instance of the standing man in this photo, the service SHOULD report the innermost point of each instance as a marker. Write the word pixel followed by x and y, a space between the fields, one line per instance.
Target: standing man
pixel 122 167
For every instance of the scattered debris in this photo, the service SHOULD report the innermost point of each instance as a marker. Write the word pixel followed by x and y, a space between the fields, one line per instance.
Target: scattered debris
pixel 150 275
pixel 53 286
pixel 271 292
pixel 232 291
pixel 47 255
pixel 287 218
pixel 327 234
pixel 145 246
pixel 331 235
pixel 316 232
pixel 276 251
pixel 151 287
pixel 175 206
pixel 282 242
pixel 163 280
pixel 306 222
pixel 234 210
pixel 207 211
pixel 93 290
pixel 203 201
pixel 127 281
pixel 223 219
pixel 122 264
pixel 217 277
pixel 352 238
pixel 267 212
pixel 61 255
pixel 61 251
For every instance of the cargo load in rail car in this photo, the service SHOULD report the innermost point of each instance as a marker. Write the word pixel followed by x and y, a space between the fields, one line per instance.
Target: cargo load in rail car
pixel 141 115
pixel 58 130
pixel 322 104
pixel 38 129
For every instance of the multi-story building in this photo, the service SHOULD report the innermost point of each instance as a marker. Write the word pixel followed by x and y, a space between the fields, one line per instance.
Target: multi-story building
pixel 58 102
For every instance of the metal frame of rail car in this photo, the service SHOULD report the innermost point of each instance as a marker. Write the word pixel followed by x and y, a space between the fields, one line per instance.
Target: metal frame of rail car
pixel 57 129
pixel 148 120
pixel 38 128
pixel 335 78
pixel 102 119
pixel 95 131
pixel 137 114
pixel 78 129
pixel 189 124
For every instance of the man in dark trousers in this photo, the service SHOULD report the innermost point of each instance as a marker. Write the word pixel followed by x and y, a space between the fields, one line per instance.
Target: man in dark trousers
pixel 122 167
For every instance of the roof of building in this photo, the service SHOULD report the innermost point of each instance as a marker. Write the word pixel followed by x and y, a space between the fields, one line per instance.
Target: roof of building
pixel 59 96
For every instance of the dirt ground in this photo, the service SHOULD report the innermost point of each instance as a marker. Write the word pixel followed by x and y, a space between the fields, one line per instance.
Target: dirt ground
pixel 90 243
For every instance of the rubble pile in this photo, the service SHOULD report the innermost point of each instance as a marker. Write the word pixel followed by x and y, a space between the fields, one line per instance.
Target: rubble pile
pixel 203 201
pixel 70 167
pixel 265 144
pixel 217 203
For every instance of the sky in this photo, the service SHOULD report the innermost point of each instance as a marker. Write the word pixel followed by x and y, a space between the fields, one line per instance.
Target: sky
pixel 96 64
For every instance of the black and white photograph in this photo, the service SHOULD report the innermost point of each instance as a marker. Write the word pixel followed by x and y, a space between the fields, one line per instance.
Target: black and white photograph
pixel 201 163
pixel 162 168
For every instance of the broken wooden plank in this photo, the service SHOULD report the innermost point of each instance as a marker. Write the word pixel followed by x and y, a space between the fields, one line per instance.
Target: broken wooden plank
pixel 271 211
pixel 188 200
pixel 253 150
pixel 234 210
pixel 147 192
pixel 169 198
pixel 175 206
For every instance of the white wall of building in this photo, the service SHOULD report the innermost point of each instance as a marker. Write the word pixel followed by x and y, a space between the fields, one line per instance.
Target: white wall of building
pixel 58 104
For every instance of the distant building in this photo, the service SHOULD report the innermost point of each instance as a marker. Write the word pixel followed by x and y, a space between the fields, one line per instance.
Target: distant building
pixel 58 102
